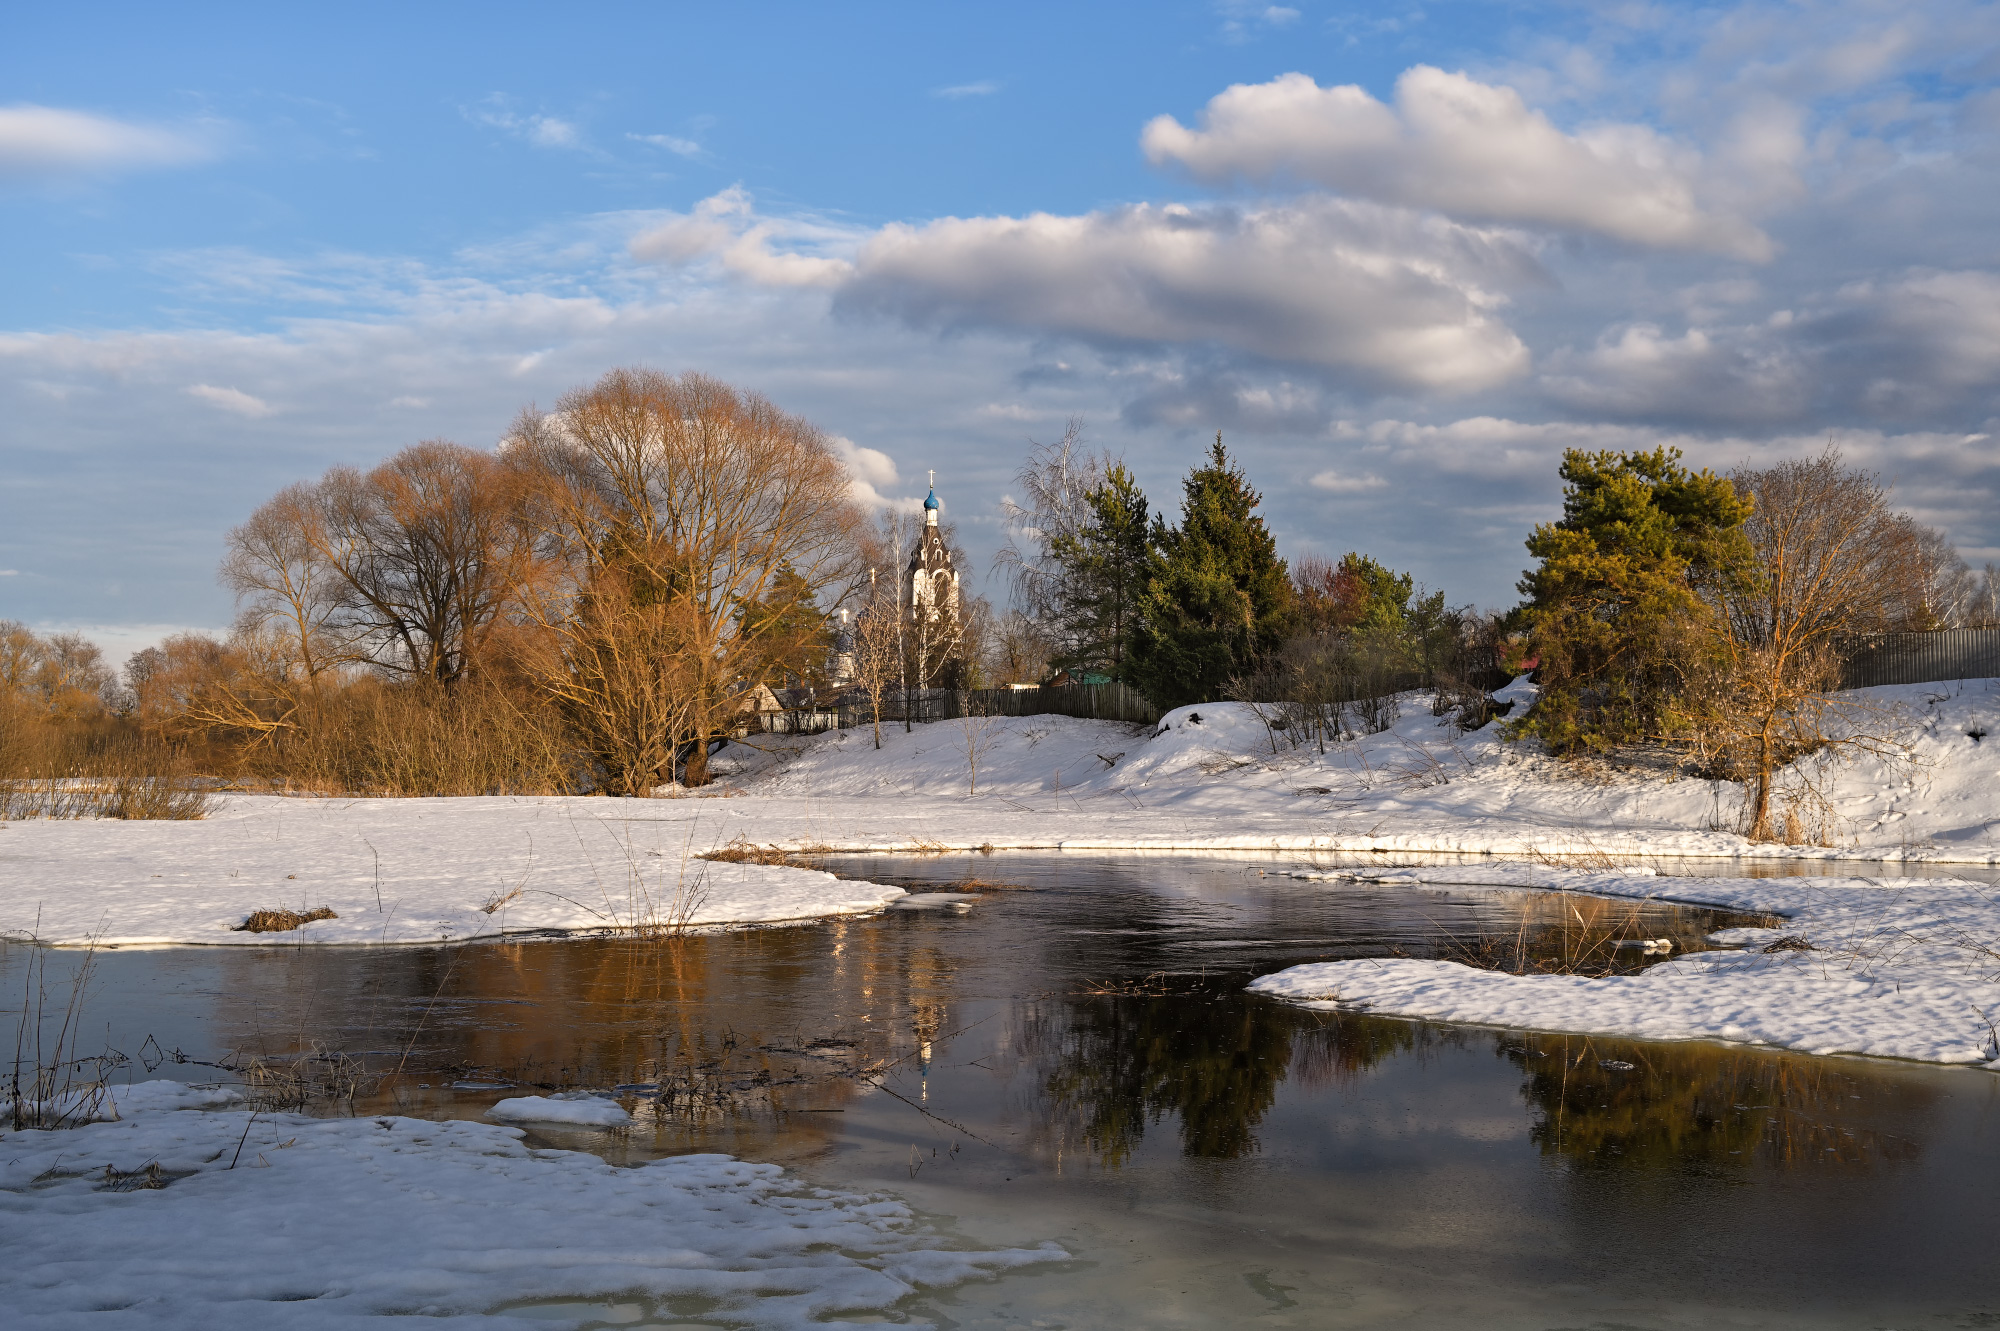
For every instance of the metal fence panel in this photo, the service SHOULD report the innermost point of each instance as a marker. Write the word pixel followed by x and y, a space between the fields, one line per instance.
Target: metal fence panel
pixel 1921 658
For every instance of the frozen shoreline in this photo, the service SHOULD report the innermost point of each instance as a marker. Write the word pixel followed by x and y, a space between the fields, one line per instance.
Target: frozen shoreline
pixel 1896 968
pixel 1213 779
pixel 318 1222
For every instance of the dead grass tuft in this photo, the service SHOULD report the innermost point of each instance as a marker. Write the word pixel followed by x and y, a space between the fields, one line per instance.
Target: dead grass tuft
pixel 1150 986
pixel 741 851
pixel 281 920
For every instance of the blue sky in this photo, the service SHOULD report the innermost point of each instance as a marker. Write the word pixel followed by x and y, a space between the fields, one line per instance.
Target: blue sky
pixel 1401 255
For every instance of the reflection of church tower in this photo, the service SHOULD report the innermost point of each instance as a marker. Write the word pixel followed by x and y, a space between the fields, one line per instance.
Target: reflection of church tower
pixel 933 582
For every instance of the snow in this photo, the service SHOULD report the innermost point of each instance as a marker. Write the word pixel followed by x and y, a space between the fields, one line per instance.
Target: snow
pixel 317 1222
pixel 581 1110
pixel 395 871
pixel 1898 968
pixel 1210 778
pixel 1215 777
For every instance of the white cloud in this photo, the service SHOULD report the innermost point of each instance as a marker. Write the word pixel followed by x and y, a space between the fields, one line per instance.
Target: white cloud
pixel 983 88
pixel 869 470
pixel 1725 374
pixel 726 227
pixel 231 399
pixel 1240 17
pixel 1336 483
pixel 1350 286
pixel 10 572
pixel 1325 282
pixel 543 131
pixel 47 140
pixel 865 464
pixel 1461 147
pixel 672 143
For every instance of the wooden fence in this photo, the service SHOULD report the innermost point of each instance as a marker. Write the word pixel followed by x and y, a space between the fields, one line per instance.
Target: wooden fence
pixel 1921 658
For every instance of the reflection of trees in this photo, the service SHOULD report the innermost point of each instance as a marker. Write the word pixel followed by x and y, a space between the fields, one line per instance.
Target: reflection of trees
pixel 1119 1064
pixel 1688 1104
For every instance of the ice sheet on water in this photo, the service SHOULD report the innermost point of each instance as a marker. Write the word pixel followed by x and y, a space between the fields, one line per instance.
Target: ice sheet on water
pixel 321 1221
pixel 582 1111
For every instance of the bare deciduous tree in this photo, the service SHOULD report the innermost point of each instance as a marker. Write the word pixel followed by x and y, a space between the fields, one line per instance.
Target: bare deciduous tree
pixel 1834 559
pixel 277 564
pixel 663 505
pixel 1053 512
pixel 426 547
pixel 878 652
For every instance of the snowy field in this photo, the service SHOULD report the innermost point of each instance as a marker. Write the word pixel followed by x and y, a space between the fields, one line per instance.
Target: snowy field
pixel 185 1214
pixel 1211 778
pixel 395 871
pixel 1894 967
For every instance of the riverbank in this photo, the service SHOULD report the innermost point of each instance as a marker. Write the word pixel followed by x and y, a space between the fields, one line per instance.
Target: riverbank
pixel 1215 779
pixel 1891 967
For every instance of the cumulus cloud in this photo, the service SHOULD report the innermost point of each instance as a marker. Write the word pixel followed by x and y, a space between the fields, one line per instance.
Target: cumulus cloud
pixel 231 399
pixel 1735 375
pixel 727 228
pixel 50 141
pixel 1920 342
pixel 1914 347
pixel 1395 296
pixel 868 470
pixel 1325 282
pixel 1464 148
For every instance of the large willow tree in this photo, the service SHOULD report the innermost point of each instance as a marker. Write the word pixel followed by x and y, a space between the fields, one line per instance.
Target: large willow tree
pixel 665 506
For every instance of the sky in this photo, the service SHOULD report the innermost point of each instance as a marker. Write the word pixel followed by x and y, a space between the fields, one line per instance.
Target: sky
pixel 1402 256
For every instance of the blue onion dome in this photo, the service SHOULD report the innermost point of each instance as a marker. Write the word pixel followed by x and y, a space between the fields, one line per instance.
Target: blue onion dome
pixel 930 501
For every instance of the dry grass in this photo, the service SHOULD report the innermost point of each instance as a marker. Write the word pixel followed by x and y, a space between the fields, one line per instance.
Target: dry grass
pixel 50 1086
pixel 741 851
pixel 1564 934
pixel 281 920
pixel 299 1082
pixel 1150 986
pixel 1589 857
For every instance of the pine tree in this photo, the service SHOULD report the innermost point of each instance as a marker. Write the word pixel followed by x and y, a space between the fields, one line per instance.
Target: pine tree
pixel 1622 611
pixel 1219 598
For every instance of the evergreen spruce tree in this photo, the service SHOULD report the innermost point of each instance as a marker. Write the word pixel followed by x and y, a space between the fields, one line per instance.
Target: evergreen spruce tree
pixel 1105 568
pixel 1219 598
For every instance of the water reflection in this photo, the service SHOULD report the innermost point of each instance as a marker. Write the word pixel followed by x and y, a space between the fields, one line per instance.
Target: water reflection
pixel 1643 1106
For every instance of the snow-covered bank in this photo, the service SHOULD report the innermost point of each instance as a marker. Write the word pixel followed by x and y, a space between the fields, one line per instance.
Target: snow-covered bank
pixel 320 1221
pixel 396 871
pixel 1216 777
pixel 1213 778
pixel 1897 967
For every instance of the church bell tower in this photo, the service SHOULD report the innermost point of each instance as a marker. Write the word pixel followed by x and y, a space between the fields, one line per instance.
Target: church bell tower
pixel 933 582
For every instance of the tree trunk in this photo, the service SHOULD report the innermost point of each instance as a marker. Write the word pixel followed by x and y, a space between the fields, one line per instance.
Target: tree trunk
pixel 1760 804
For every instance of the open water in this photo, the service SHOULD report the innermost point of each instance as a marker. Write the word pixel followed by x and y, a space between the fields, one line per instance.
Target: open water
pixel 1070 1056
